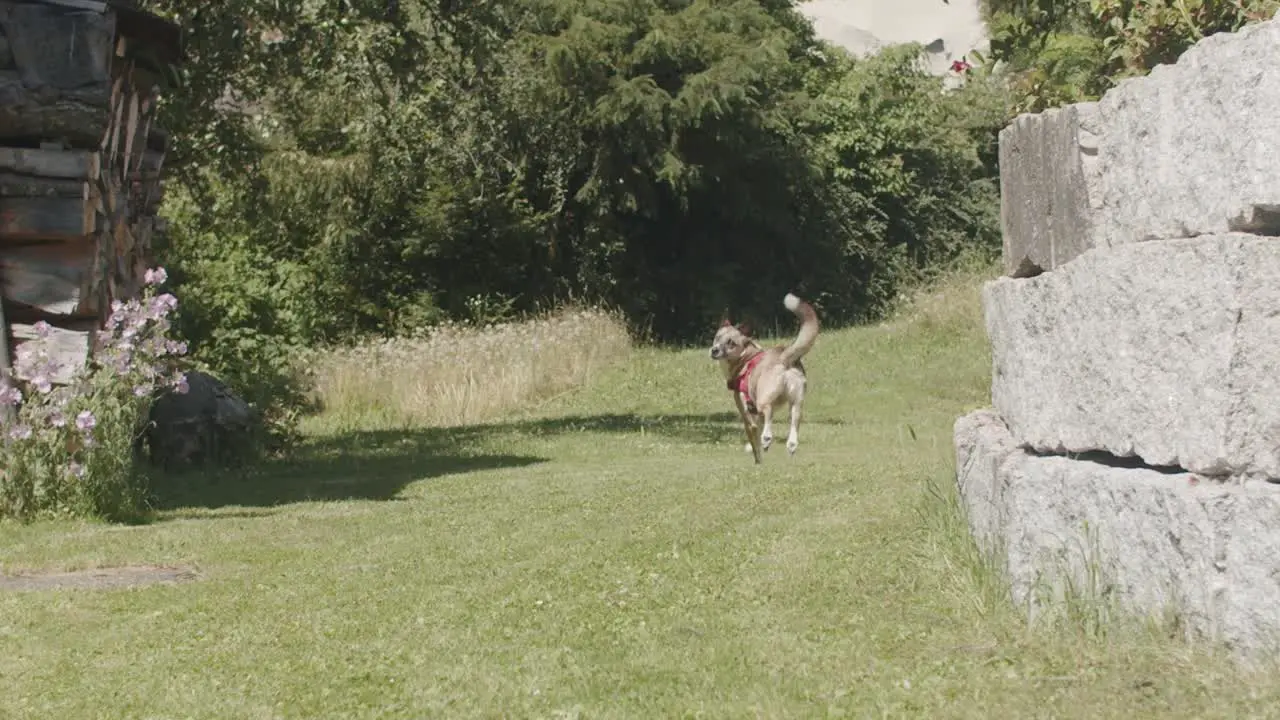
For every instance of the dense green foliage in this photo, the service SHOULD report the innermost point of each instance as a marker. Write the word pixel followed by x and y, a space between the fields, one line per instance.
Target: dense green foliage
pixel 1062 51
pixel 346 168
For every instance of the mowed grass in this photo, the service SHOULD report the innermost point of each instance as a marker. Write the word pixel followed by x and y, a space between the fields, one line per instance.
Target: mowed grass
pixel 612 553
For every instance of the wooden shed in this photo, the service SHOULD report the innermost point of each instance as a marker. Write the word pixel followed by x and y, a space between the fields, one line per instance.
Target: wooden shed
pixel 80 165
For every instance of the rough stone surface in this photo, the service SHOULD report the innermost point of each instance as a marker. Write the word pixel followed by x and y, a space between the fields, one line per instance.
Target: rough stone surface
pixel 1186 150
pixel 200 425
pixel 1049 188
pixel 1190 149
pixel 1164 351
pixel 1151 540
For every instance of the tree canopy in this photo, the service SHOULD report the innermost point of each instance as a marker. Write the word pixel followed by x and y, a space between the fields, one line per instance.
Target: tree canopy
pixel 345 168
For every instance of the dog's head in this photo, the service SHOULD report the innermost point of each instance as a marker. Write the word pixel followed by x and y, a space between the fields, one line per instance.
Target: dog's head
pixel 730 342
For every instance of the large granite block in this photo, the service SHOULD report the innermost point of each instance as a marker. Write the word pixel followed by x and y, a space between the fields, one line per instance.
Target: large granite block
pixel 1049 188
pixel 1191 148
pixel 1152 540
pixel 1187 150
pixel 1165 351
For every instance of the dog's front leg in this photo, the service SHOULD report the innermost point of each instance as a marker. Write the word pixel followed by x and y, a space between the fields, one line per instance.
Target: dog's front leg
pixel 753 432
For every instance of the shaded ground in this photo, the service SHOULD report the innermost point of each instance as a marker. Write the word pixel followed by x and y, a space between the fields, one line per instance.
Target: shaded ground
pixel 378 464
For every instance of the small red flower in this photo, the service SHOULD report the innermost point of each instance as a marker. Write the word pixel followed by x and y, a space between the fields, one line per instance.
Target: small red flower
pixel 961 66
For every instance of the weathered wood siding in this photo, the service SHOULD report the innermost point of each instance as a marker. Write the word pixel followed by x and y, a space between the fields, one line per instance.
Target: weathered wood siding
pixel 80 165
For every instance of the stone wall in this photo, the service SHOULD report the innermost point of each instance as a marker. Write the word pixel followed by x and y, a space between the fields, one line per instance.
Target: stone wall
pixel 1136 347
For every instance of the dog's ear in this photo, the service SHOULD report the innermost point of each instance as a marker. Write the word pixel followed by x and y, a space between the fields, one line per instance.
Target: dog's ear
pixel 724 317
pixel 744 328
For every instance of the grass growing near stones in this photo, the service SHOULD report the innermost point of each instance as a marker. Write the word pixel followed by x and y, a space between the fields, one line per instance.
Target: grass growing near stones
pixel 611 553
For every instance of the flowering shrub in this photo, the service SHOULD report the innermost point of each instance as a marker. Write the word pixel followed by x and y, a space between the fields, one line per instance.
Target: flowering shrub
pixel 71 449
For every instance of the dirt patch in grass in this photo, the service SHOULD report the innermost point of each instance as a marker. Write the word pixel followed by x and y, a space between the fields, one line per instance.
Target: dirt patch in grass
pixel 97 578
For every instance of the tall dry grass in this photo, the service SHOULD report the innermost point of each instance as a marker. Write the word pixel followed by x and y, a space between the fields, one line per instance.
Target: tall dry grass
pixel 950 304
pixel 458 374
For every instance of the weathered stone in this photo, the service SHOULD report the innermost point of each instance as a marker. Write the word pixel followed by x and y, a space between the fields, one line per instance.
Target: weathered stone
pixel 1190 149
pixel 1152 541
pixel 1049 188
pixel 1183 151
pixel 200 425
pixel 1164 351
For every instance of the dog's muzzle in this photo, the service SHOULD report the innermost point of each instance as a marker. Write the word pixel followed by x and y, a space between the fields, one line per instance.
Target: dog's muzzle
pixel 715 353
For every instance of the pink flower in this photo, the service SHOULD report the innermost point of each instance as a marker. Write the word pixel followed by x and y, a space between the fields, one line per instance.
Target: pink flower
pixel 85 420
pixel 163 304
pixel 42 329
pixel 155 276
pixel 57 419
pixel 9 395
pixel 42 383
pixel 20 432
pixel 180 384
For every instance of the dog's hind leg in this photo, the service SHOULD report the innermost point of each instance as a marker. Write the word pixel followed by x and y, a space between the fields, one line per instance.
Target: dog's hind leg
pixel 793 436
pixel 797 402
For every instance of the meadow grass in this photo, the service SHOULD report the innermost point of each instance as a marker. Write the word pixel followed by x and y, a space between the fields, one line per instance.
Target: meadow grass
pixel 459 374
pixel 611 552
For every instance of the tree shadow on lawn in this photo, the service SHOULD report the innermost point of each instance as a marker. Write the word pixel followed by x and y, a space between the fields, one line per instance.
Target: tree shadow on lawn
pixel 379 464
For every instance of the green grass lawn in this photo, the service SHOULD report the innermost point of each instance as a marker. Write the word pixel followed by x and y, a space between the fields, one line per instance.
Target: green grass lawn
pixel 614 553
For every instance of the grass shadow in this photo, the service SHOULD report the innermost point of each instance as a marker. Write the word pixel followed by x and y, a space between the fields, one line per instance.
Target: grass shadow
pixel 695 427
pixel 378 464
pixel 348 467
pixel 710 428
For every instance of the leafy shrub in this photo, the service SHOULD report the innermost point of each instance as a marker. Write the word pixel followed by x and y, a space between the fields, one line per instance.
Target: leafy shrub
pixel 245 310
pixel 669 159
pixel 71 450
pixel 911 169
pixel 1062 52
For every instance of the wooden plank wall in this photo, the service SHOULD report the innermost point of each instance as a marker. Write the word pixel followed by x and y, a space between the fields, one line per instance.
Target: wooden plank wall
pixel 78 194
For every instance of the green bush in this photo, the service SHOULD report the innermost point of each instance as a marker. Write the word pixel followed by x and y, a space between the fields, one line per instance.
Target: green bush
pixel 672 159
pixel 72 449
pixel 1062 52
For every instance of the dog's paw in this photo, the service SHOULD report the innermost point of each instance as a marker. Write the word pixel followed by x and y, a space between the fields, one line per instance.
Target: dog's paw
pixel 792 445
pixel 748 447
pixel 766 440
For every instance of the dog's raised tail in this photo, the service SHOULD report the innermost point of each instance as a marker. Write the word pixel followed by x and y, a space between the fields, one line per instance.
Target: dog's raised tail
pixel 808 329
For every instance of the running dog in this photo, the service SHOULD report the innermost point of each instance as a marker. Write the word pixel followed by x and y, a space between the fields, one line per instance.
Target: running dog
pixel 763 380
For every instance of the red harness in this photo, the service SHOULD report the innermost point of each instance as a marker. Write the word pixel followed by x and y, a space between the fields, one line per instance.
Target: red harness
pixel 739 383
